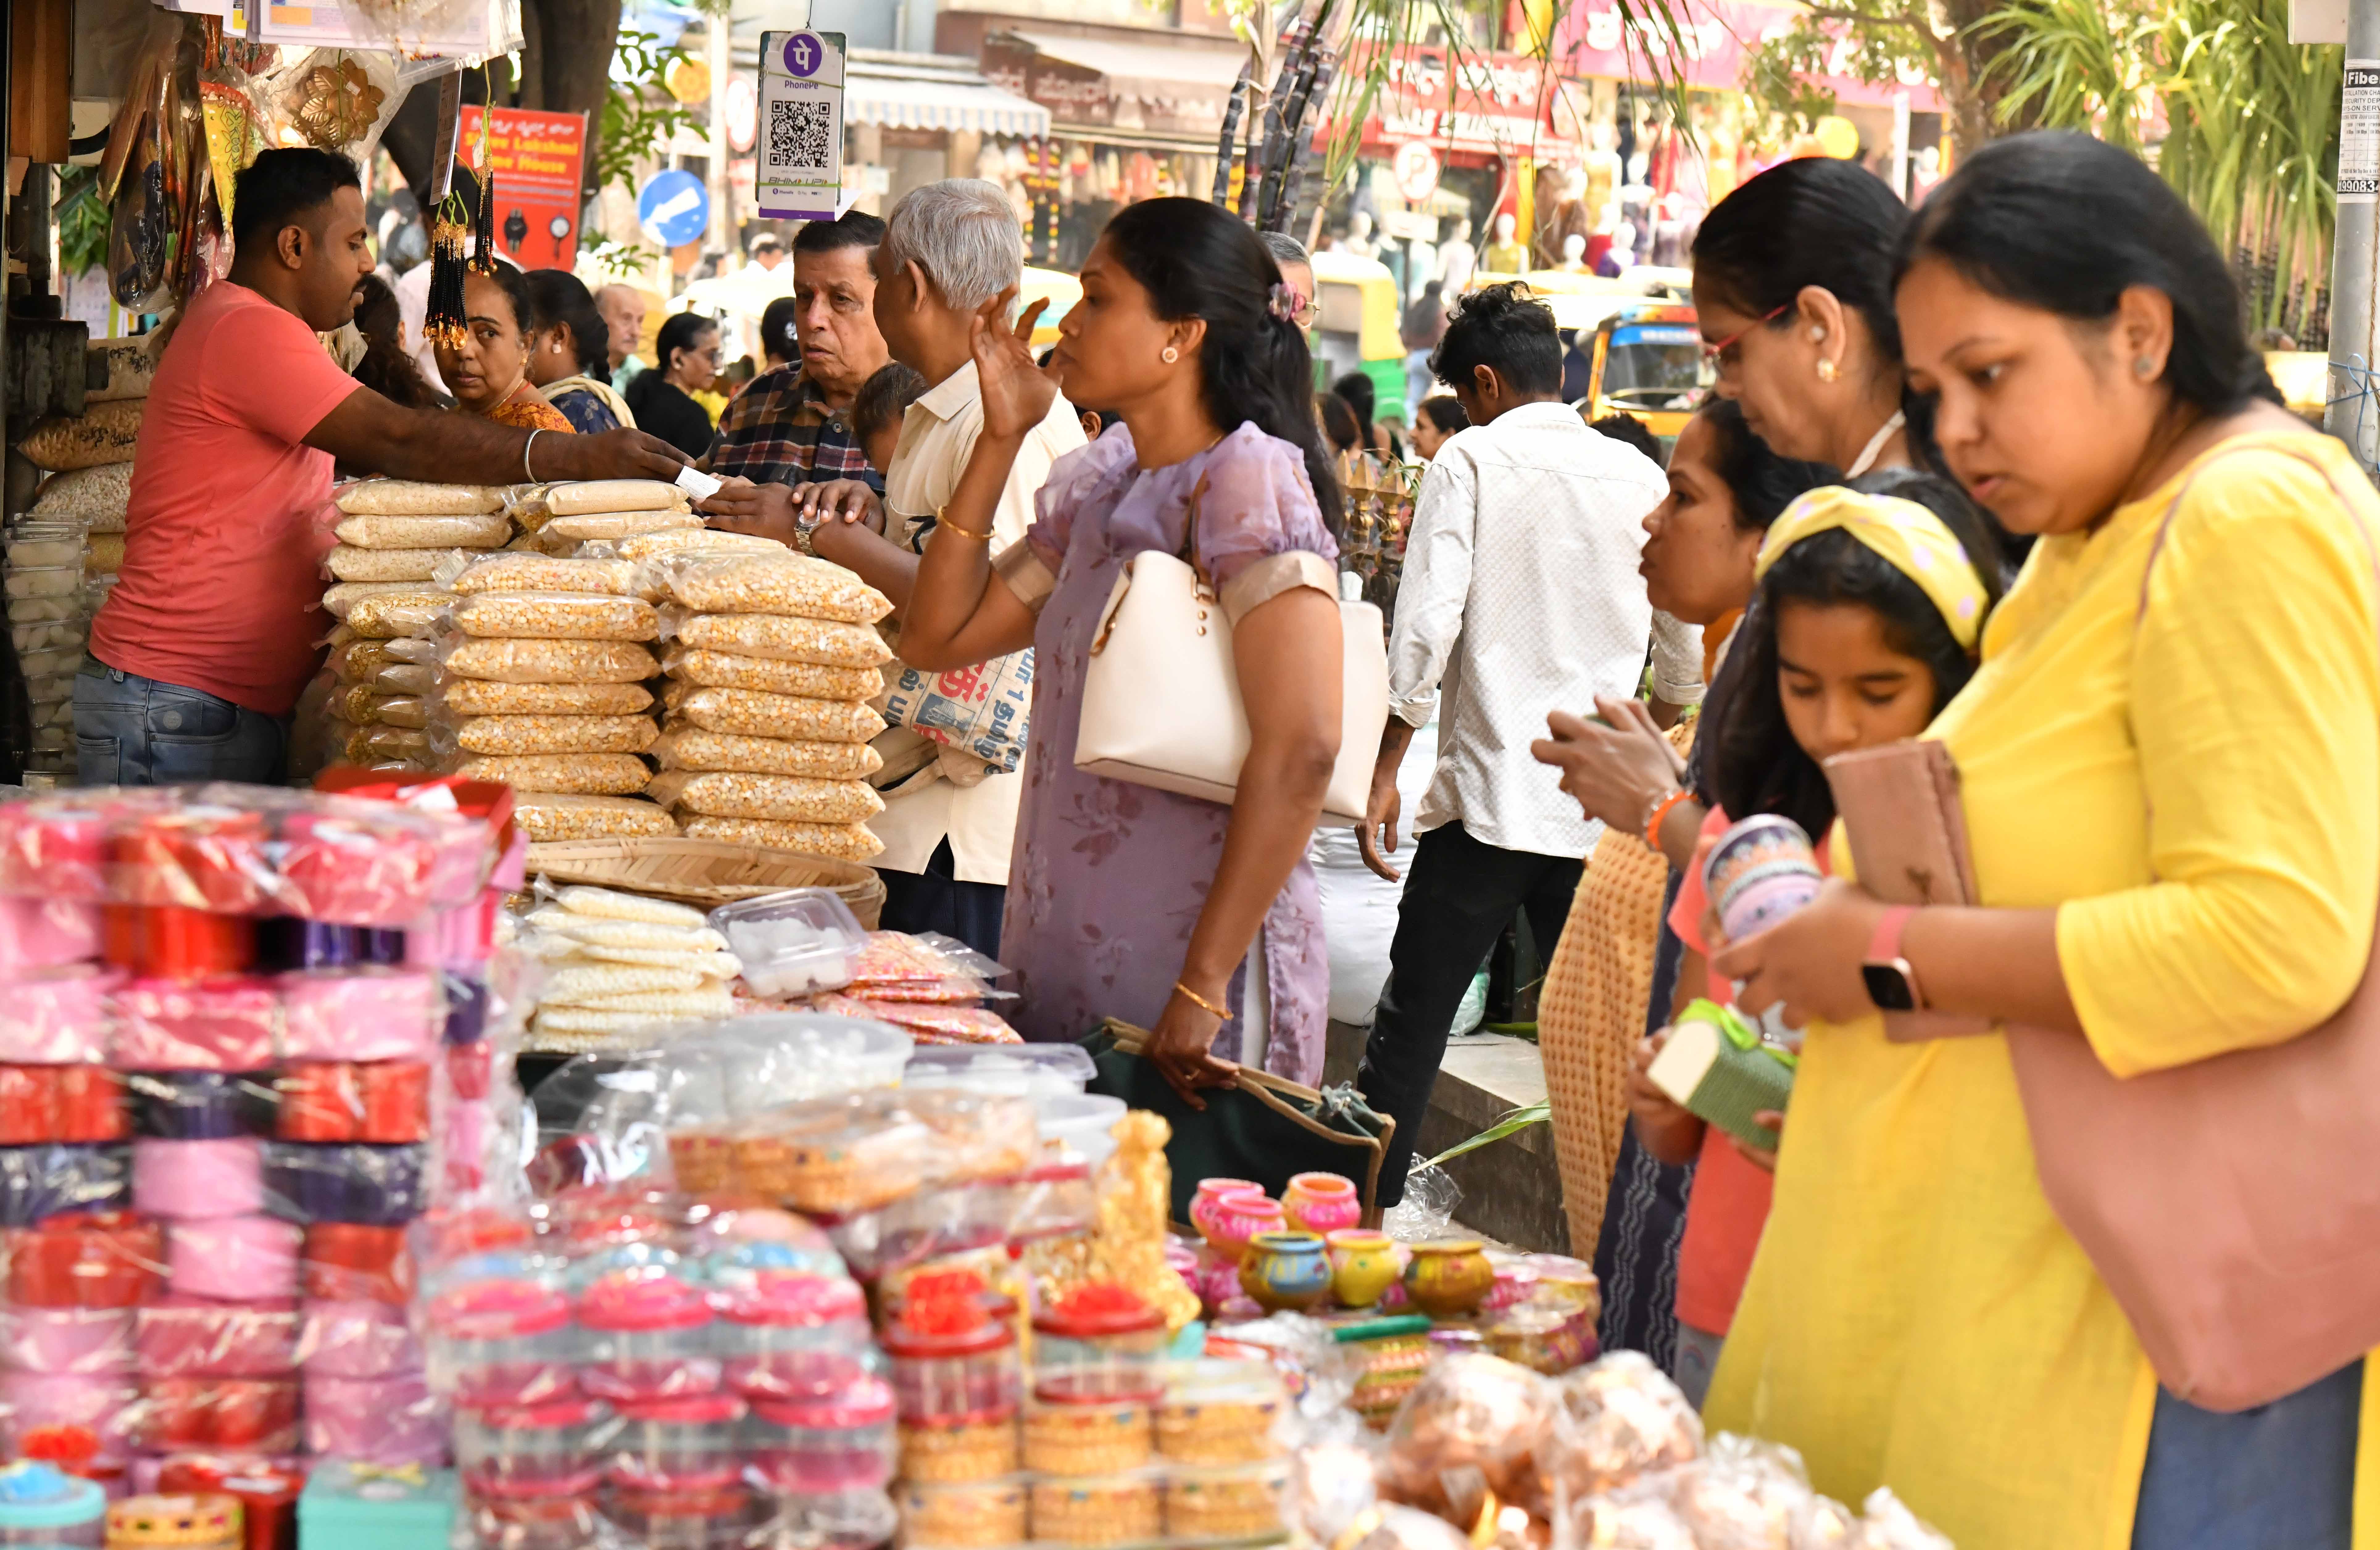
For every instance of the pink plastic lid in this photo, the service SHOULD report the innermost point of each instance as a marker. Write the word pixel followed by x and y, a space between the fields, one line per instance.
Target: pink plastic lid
pixel 796 1299
pixel 499 1311
pixel 538 1418
pixel 866 1403
pixel 643 1303
pixel 691 1410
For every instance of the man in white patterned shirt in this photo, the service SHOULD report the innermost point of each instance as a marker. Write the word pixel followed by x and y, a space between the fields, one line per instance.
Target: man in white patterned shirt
pixel 1519 595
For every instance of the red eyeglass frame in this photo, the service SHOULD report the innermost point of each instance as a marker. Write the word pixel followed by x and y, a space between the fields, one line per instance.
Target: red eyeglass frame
pixel 1712 350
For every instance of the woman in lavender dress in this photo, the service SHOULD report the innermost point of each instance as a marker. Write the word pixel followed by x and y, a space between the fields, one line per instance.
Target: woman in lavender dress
pixel 1193 919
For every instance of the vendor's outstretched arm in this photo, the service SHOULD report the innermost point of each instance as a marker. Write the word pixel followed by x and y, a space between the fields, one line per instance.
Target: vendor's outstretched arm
pixel 367 431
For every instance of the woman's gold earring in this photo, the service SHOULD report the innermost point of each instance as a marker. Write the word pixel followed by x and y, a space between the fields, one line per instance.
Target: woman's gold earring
pixel 1169 355
pixel 1826 370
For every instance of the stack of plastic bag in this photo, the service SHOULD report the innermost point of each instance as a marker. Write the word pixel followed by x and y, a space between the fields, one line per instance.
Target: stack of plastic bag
pixel 545 661
pixel 772 660
pixel 618 965
pixel 379 702
pixel 63 553
pixel 391 537
pixel 557 518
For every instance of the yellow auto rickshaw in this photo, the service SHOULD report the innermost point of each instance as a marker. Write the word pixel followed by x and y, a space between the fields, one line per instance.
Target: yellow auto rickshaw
pixel 1647 360
pixel 1355 330
pixel 1060 289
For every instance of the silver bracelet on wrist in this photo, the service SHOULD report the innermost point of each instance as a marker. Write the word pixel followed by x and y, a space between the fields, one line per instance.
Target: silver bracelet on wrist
pixel 526 470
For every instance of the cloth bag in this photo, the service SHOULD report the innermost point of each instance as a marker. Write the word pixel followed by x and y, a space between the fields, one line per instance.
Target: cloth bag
pixel 1161 695
pixel 2230 1204
pixel 1260 1127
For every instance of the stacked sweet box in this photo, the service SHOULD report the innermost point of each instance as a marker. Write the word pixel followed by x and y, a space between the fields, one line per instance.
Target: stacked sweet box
pixel 216 1069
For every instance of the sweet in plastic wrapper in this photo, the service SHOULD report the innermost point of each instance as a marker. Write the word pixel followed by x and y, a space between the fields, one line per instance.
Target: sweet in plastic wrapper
pixel 1472 1426
pixel 611 905
pixel 1620 1417
pixel 1888 1524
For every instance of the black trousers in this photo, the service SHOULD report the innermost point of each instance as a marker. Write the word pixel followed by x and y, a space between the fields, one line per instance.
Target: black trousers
pixel 935 900
pixel 1458 900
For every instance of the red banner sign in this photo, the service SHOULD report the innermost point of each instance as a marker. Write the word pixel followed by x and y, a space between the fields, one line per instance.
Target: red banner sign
pixel 537 159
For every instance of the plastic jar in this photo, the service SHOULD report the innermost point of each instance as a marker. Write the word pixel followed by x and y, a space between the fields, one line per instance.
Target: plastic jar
pixel 1099 1342
pixel 40 1505
pixel 841 1442
pixel 506 1342
pixel 794 1335
pixel 651 1337
pixel 675 1446
pixel 529 1451
pixel 951 1362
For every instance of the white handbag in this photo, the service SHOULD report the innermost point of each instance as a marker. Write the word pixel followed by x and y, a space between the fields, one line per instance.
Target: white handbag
pixel 1162 697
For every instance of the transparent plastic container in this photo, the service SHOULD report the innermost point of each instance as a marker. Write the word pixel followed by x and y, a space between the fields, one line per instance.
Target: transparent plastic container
pixel 531 1452
pixel 675 1446
pixel 843 1441
pixel 505 1344
pixel 649 1337
pixel 792 943
pixel 1219 1412
pixel 1224 1506
pixel 1086 1436
pixel 1101 1510
pixel 961 1515
pixel 1102 1342
pixel 943 1375
pixel 790 1336
pixel 1031 1070
pixel 1079 1124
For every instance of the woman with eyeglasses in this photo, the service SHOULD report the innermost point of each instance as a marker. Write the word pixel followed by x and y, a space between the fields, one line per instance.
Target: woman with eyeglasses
pixel 662 401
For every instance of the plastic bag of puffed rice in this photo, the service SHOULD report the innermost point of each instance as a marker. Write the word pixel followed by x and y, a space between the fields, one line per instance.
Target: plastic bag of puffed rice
pixel 827 642
pixel 724 670
pixel 605 495
pixel 86 496
pixel 792 584
pixel 545 573
pixel 552 662
pixel 337 602
pixel 575 774
pixel 734 793
pixel 674 1004
pixel 711 540
pixel 376 531
pixel 388 745
pixel 412 497
pixel 752 713
pixel 405 678
pixel 607 932
pixel 606 904
pixel 572 984
pixel 840 842
pixel 386 615
pixel 480 696
pixel 557 616
pixel 549 816
pixel 684 747
pixel 614 524
pixel 350 563
pixel 555 735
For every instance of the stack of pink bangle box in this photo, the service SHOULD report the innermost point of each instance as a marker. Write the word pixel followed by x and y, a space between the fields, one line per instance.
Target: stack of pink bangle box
pixel 234 1023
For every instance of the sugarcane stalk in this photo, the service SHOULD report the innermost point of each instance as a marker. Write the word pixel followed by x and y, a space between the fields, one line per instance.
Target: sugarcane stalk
pixel 1303 155
pixel 1227 144
pixel 1276 145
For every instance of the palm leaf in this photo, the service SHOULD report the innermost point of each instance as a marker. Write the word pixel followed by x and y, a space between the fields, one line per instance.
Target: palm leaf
pixel 1514 1122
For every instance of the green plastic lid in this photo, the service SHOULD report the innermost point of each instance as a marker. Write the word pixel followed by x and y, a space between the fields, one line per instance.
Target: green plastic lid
pixel 36 1495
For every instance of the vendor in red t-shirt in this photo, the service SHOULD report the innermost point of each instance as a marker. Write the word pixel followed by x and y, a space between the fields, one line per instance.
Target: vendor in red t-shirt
pixel 199 653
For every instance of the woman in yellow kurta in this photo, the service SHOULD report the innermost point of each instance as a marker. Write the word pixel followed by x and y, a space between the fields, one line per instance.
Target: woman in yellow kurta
pixel 2176 831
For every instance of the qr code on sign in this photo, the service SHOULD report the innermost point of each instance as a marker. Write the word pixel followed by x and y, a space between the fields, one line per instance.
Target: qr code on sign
pixel 798 133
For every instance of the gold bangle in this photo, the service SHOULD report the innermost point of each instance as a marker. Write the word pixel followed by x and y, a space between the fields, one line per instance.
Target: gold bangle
pixel 1201 1002
pixel 942 523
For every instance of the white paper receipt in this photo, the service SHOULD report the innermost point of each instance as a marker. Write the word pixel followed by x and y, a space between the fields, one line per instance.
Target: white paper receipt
pixel 697 484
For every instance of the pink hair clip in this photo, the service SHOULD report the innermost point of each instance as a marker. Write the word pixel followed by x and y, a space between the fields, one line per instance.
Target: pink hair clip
pixel 1284 303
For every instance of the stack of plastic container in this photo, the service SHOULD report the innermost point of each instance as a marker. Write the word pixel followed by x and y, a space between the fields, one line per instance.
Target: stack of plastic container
pixel 681 1372
pixel 222 1070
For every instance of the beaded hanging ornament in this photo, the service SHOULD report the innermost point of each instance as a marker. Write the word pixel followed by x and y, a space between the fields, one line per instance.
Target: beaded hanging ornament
pixel 443 318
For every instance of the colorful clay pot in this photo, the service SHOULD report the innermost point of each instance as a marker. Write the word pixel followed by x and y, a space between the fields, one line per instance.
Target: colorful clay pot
pixel 1285 1270
pixel 1321 1203
pixel 1240 1215
pixel 1449 1276
pixel 1202 1205
pixel 1363 1265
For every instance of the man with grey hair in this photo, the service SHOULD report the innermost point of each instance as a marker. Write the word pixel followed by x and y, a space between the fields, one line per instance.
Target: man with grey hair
pixel 951 252
pixel 623 310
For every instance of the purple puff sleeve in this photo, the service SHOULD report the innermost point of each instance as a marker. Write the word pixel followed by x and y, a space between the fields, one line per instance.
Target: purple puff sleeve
pixel 1078 478
pixel 1261 531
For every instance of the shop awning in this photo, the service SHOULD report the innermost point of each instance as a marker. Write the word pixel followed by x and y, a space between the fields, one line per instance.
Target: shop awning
pixel 902 97
pixel 1145 70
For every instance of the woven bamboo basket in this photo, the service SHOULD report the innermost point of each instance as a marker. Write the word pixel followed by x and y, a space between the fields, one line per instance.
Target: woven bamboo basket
pixel 706 872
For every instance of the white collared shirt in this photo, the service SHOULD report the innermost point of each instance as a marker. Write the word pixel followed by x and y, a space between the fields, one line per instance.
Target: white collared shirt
pixel 1519 596
pixel 937 436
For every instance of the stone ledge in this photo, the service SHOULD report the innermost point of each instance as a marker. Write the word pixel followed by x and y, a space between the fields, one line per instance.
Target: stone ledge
pixel 1512 1189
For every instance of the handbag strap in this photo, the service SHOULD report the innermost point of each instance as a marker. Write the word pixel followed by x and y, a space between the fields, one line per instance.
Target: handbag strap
pixel 2173 508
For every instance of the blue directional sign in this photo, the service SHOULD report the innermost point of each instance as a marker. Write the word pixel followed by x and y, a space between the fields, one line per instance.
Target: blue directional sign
pixel 674 207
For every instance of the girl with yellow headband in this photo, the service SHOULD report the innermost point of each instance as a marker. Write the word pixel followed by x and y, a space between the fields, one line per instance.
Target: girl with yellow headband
pixel 1869 603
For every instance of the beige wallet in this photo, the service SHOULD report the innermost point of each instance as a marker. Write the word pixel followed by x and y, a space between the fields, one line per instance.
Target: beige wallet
pixel 1899 806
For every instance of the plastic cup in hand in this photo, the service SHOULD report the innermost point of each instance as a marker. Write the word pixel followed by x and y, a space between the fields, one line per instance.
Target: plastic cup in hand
pixel 1760 871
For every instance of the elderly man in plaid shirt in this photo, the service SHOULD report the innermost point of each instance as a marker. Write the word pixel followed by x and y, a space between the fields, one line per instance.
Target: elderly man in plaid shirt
pixel 792 427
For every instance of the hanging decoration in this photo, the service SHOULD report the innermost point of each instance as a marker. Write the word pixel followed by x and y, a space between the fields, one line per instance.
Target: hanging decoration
pixel 483 218
pixel 337 104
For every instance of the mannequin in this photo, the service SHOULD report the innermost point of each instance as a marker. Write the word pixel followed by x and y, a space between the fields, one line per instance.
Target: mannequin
pixel 1505 255
pixel 1569 216
pixel 1573 255
pixel 1358 239
pixel 1456 259
pixel 1603 173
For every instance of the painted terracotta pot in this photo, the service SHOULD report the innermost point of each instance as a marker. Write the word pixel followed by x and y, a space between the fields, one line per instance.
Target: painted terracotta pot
pixel 1285 1270
pixel 1449 1276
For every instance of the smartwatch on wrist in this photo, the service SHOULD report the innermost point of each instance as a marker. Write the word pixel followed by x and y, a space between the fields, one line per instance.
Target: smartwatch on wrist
pixel 1891 983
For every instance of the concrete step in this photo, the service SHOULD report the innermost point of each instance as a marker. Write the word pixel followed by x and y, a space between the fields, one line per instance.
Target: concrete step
pixel 1512 1189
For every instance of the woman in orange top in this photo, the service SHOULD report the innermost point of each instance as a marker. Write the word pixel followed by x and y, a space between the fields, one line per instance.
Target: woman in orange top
pixel 487 370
